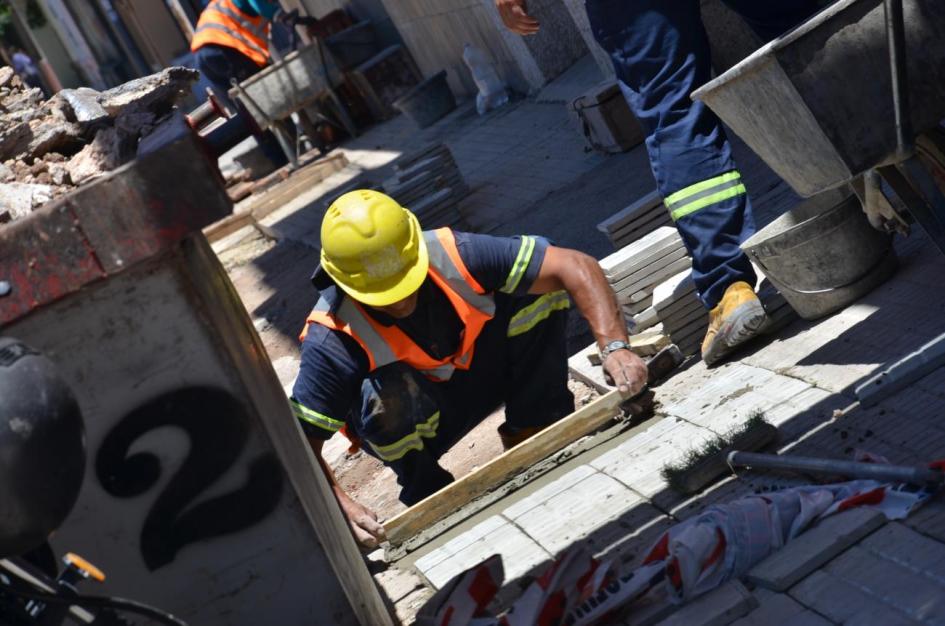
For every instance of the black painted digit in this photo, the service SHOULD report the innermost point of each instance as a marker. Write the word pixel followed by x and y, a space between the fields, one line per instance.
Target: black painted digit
pixel 218 429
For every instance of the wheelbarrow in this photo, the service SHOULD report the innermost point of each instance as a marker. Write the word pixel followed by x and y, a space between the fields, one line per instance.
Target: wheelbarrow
pixel 289 86
pixel 853 96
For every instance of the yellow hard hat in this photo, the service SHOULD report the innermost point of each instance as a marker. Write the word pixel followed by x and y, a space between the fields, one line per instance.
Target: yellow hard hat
pixel 373 248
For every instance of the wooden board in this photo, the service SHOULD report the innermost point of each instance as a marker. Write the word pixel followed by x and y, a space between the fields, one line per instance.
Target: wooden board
pixel 512 462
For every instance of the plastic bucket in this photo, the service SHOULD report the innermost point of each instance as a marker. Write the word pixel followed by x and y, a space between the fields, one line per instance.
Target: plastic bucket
pixel 823 254
pixel 428 101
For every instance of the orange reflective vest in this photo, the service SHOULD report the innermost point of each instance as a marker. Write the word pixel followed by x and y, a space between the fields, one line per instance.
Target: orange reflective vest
pixel 223 24
pixel 388 344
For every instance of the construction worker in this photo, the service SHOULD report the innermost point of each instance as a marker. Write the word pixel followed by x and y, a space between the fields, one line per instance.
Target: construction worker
pixel 419 335
pixel 232 41
pixel 660 52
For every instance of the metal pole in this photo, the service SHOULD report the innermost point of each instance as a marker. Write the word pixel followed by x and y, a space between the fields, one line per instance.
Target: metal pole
pixel 183 20
pixel 917 475
pixel 896 39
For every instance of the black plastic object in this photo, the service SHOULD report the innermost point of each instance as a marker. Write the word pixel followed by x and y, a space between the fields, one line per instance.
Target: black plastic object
pixel 42 448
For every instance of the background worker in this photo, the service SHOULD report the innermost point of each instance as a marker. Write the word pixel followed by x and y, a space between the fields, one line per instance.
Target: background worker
pixel 232 41
pixel 661 54
pixel 418 336
pixel 26 69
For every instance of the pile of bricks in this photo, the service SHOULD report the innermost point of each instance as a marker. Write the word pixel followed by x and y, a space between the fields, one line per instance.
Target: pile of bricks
pixel 637 220
pixel 682 314
pixel 635 270
pixel 429 183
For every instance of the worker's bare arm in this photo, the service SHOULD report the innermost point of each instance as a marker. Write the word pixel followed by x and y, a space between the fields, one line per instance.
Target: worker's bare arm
pixel 580 275
pixel 514 14
pixel 367 530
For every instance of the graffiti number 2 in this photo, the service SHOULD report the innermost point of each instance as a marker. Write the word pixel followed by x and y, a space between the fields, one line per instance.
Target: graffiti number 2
pixel 218 428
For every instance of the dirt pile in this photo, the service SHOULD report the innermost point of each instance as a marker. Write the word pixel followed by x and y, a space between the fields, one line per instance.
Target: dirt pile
pixel 49 147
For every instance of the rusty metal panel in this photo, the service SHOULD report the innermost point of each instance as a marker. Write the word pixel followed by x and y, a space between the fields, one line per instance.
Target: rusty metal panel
pixel 44 258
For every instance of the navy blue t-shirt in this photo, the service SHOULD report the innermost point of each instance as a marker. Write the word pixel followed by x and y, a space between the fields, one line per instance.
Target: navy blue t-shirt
pixel 334 365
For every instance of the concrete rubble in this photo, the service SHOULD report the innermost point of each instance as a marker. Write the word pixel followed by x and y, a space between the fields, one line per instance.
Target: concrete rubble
pixel 49 147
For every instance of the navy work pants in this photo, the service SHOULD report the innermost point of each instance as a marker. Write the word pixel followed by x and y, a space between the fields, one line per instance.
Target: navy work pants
pixel 409 421
pixel 217 65
pixel 660 51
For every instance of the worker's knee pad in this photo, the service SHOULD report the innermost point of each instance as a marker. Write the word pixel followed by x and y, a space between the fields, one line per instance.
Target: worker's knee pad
pixel 396 406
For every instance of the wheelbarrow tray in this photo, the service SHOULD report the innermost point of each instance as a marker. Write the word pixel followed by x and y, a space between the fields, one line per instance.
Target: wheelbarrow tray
pixel 288 85
pixel 817 104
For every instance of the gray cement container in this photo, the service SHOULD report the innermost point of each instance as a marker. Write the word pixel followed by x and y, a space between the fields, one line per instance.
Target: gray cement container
pixel 817 104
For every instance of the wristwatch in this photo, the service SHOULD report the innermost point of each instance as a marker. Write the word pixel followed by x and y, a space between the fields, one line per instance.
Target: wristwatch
pixel 613 346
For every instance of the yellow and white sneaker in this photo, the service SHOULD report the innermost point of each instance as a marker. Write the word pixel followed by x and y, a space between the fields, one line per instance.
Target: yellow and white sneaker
pixel 737 318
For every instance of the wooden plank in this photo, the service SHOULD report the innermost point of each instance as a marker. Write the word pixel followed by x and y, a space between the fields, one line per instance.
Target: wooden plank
pixel 437 506
pixel 306 177
pixel 228 225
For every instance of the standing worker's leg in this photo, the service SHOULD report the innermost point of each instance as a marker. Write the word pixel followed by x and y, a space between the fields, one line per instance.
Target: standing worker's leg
pixel 400 424
pixel 661 54
pixel 217 65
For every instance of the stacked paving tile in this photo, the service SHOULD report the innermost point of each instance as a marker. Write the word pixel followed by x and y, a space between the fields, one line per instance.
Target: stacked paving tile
pixel 635 270
pixel 682 314
pixel 636 221
pixel 684 319
pixel 429 183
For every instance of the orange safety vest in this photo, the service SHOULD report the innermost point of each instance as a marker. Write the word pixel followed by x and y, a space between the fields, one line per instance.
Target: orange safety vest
pixel 388 344
pixel 223 24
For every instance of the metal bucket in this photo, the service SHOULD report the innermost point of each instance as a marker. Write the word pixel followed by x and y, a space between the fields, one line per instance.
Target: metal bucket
pixel 428 101
pixel 823 254
pixel 816 105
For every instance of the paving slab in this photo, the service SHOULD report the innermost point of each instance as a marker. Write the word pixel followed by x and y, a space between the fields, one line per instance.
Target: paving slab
pixel 494 536
pixel 781 609
pixel 716 608
pixel 813 548
pixel 836 599
pixel 398 583
pixel 639 461
pixel 731 395
pixel 917 593
pixel 572 514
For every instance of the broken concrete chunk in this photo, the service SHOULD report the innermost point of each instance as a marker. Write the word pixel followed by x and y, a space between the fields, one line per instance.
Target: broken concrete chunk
pixel 6 75
pixel 19 199
pixel 24 100
pixel 13 138
pixel 85 106
pixel 102 155
pixel 49 135
pixel 151 92
pixel 59 175
pixel 6 173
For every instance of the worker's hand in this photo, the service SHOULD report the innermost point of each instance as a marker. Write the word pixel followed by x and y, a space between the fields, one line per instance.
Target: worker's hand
pixel 626 371
pixel 514 14
pixel 368 532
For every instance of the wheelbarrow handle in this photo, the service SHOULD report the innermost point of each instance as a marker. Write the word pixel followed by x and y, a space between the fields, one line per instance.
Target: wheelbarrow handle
pixel 896 42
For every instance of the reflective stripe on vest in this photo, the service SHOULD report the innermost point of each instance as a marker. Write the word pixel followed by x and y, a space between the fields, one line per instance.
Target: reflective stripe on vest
pixel 222 23
pixel 388 344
